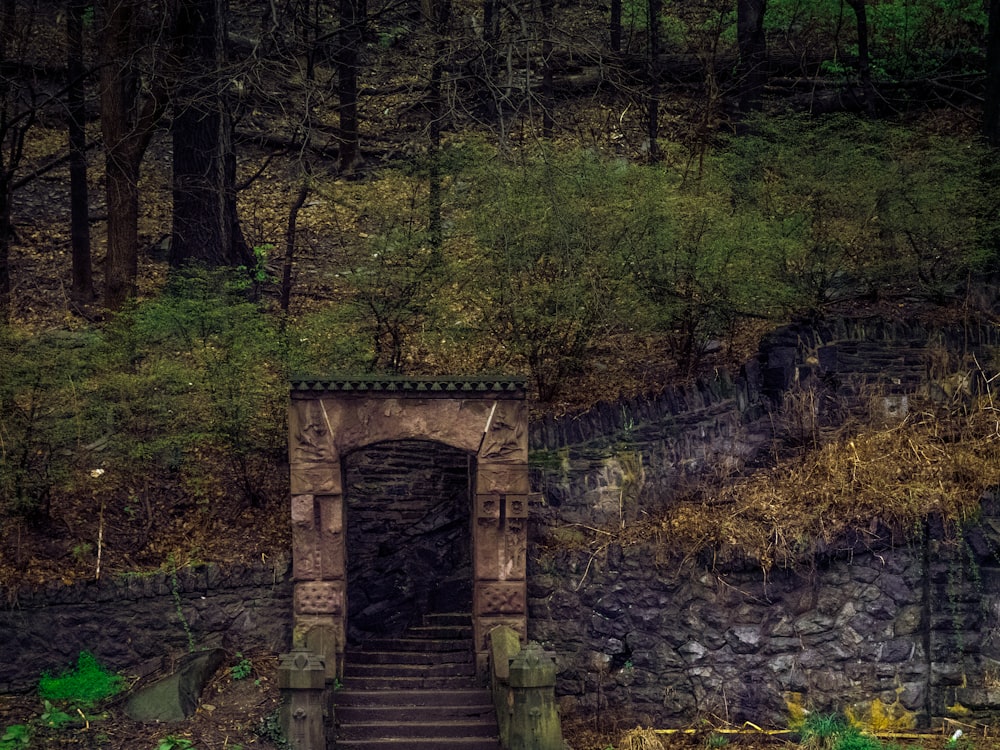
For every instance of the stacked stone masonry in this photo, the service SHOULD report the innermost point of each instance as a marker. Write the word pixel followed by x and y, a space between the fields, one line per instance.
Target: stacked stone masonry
pixel 910 631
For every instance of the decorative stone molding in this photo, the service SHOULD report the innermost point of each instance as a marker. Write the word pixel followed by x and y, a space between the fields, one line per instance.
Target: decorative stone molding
pixel 331 417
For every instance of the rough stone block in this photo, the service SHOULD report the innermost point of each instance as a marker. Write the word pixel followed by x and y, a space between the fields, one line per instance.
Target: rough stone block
pixel 323 635
pixel 500 553
pixel 500 598
pixel 319 598
pixel 307 561
pixel 506 478
pixel 483 626
pixel 496 504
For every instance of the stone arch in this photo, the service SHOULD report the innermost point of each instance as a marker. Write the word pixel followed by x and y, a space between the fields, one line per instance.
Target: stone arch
pixel 408 535
pixel 328 418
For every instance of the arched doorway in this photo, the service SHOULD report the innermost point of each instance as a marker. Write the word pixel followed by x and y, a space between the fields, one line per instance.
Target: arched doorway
pixel 485 419
pixel 409 542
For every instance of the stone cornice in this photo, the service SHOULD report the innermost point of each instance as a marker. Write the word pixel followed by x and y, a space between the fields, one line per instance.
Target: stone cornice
pixel 389 385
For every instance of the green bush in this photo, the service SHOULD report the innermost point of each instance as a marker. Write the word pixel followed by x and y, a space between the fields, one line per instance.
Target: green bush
pixel 195 388
pixel 86 683
pixel 45 442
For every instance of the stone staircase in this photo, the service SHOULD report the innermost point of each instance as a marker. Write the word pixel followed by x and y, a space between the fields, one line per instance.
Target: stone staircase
pixel 416 691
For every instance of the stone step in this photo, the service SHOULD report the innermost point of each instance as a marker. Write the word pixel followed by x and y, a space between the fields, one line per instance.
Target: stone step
pixel 442 619
pixel 399 714
pixel 442 729
pixel 440 632
pixel 365 656
pixel 437 646
pixel 412 682
pixel 459 699
pixel 416 691
pixel 354 670
pixel 420 743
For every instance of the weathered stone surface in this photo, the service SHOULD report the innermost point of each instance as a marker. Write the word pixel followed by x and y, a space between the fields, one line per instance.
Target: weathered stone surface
pixel 137 624
pixel 176 696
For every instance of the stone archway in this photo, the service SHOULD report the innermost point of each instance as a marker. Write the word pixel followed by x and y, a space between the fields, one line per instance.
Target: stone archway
pixel 329 418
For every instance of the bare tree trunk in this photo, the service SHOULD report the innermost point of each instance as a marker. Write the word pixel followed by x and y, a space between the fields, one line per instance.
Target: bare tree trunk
pixel 491 38
pixel 864 59
pixel 653 101
pixel 127 121
pixel 348 61
pixel 991 104
pixel 7 21
pixel 439 13
pixel 548 98
pixel 615 25
pixel 82 288
pixel 289 259
pixel 205 229
pixel 753 52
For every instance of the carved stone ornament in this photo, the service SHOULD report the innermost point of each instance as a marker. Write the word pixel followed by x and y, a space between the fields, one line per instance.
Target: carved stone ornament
pixel 506 437
pixel 506 598
pixel 319 598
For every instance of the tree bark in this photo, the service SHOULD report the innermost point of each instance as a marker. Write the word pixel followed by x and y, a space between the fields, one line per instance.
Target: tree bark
pixel 7 22
pixel 348 61
pixel 653 101
pixel 440 12
pixel 82 287
pixel 127 121
pixel 615 25
pixel 864 59
pixel 752 45
pixel 991 104
pixel 205 228
pixel 548 96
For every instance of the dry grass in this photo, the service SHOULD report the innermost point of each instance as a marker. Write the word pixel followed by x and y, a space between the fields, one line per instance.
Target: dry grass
pixel 640 739
pixel 867 485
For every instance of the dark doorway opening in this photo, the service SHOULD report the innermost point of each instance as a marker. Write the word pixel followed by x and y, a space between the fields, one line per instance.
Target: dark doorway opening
pixel 409 544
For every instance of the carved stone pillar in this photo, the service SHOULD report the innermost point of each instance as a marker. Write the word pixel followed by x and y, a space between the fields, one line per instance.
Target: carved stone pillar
pixel 329 418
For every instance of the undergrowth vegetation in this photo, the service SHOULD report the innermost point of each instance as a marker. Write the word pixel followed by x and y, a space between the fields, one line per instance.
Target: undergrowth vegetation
pixel 174 410
pixel 871 481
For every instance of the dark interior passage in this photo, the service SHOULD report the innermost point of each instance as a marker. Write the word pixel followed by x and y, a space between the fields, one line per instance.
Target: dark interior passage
pixel 408 536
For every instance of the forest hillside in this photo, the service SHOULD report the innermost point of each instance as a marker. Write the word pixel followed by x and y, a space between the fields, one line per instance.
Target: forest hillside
pixel 200 198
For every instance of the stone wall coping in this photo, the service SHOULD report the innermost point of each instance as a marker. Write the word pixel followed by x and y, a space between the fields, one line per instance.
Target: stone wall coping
pixel 394 386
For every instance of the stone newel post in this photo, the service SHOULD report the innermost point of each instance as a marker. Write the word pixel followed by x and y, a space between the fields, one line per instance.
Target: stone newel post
pixel 302 681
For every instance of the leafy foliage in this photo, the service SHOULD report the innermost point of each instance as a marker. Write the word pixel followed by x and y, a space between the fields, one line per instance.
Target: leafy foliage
pixel 552 276
pixel 88 682
pixel 862 208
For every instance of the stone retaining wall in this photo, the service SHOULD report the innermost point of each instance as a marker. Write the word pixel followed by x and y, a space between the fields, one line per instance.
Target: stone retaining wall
pixel 136 623
pixel 908 632
pixel 896 636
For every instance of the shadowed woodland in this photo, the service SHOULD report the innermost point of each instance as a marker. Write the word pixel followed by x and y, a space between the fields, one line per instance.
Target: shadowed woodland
pixel 199 198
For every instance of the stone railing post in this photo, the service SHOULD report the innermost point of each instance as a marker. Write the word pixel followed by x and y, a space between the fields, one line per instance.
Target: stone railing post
pixel 523 684
pixel 302 681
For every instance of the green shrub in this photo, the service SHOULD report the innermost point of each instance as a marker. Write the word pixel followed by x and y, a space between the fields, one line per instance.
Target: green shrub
pixel 821 731
pixel 86 683
pixel 16 737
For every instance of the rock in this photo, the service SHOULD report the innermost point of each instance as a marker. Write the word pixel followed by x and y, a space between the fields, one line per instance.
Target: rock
pixel 175 697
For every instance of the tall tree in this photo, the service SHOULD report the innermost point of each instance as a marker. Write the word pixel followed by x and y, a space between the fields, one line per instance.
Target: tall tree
pixel 348 62
pixel 864 59
pixel 436 15
pixel 615 25
pixel 82 288
pixel 205 225
pixel 653 8
pixel 18 113
pixel 991 105
pixel 752 44
pixel 548 97
pixel 130 108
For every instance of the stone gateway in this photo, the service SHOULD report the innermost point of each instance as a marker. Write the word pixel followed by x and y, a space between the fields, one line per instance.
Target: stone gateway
pixel 487 419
